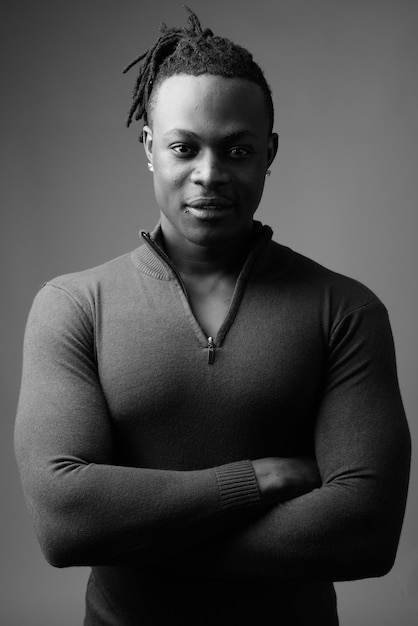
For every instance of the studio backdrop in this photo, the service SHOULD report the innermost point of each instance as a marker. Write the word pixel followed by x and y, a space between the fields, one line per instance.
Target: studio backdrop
pixel 75 192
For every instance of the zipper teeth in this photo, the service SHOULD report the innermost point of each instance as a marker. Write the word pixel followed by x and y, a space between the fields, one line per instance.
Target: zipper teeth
pixel 166 259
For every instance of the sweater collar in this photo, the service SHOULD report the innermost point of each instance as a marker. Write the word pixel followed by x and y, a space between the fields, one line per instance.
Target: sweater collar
pixel 151 259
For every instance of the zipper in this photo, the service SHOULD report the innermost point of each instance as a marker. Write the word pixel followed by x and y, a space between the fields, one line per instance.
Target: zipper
pixel 168 261
pixel 211 351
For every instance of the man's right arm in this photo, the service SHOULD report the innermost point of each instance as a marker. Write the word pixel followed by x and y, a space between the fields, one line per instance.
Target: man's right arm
pixel 88 510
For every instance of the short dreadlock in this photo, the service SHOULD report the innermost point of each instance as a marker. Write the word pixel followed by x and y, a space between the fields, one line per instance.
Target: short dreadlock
pixel 191 50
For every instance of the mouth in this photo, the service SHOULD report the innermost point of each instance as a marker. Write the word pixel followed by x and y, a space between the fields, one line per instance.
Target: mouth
pixel 214 202
pixel 213 207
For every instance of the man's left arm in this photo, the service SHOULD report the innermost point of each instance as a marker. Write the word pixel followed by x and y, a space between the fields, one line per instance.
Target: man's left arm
pixel 349 527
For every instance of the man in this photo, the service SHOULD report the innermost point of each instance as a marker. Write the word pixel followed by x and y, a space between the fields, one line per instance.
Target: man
pixel 212 422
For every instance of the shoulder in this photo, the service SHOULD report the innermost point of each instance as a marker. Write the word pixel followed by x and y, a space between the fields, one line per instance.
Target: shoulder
pixel 97 275
pixel 78 294
pixel 331 282
pixel 317 289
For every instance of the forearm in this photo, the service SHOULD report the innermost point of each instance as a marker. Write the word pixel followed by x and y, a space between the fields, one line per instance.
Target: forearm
pixel 346 529
pixel 332 533
pixel 97 513
pixel 87 513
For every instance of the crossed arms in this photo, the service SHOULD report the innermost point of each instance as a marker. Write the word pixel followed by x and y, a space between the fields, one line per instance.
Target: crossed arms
pixel 333 517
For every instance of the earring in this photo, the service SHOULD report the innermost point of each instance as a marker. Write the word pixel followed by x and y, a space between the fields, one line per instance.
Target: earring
pixel 268 172
pixel 150 167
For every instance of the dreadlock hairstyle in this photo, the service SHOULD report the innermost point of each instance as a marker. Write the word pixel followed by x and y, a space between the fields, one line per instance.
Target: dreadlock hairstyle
pixel 191 50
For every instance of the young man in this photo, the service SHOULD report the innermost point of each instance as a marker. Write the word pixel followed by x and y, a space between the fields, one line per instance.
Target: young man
pixel 211 422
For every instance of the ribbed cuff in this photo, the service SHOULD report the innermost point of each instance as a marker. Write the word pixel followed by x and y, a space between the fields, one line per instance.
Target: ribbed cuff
pixel 238 485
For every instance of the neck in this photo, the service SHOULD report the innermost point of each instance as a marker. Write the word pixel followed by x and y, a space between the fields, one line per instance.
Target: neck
pixel 195 259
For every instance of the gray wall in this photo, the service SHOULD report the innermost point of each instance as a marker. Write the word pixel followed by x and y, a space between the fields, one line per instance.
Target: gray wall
pixel 343 191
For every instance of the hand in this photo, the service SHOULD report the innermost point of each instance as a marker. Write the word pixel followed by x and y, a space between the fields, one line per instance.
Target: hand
pixel 281 478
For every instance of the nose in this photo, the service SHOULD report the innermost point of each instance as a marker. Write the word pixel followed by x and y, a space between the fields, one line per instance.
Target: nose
pixel 210 171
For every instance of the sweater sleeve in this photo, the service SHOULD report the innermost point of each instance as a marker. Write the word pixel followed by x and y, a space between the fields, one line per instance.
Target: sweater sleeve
pixel 85 508
pixel 348 528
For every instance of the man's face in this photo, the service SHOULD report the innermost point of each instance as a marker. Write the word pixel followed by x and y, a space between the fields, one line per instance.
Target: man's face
pixel 210 148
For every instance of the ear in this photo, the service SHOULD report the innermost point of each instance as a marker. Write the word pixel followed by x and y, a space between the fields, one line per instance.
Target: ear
pixel 273 146
pixel 147 140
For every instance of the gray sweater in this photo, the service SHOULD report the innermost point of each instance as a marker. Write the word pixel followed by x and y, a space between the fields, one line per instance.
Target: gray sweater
pixel 135 432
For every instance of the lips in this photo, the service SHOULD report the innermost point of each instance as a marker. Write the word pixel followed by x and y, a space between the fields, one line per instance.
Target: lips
pixel 209 208
pixel 209 202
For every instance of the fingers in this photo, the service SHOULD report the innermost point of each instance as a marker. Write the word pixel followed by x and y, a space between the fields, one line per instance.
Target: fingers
pixel 280 479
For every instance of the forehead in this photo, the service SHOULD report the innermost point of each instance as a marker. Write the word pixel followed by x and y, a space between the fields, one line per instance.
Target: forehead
pixel 207 102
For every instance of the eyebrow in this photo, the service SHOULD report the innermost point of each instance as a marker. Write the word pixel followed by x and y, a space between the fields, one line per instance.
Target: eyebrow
pixel 237 134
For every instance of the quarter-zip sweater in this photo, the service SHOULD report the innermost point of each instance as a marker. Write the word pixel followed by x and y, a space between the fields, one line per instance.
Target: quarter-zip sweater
pixel 135 434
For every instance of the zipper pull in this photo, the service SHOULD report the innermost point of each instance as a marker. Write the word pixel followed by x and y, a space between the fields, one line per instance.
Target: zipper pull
pixel 211 351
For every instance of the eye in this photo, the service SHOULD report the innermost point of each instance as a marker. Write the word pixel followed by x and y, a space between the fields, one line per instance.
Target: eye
pixel 183 150
pixel 239 152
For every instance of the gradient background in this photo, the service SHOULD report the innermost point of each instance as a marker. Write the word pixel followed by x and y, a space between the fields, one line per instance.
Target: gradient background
pixel 76 191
